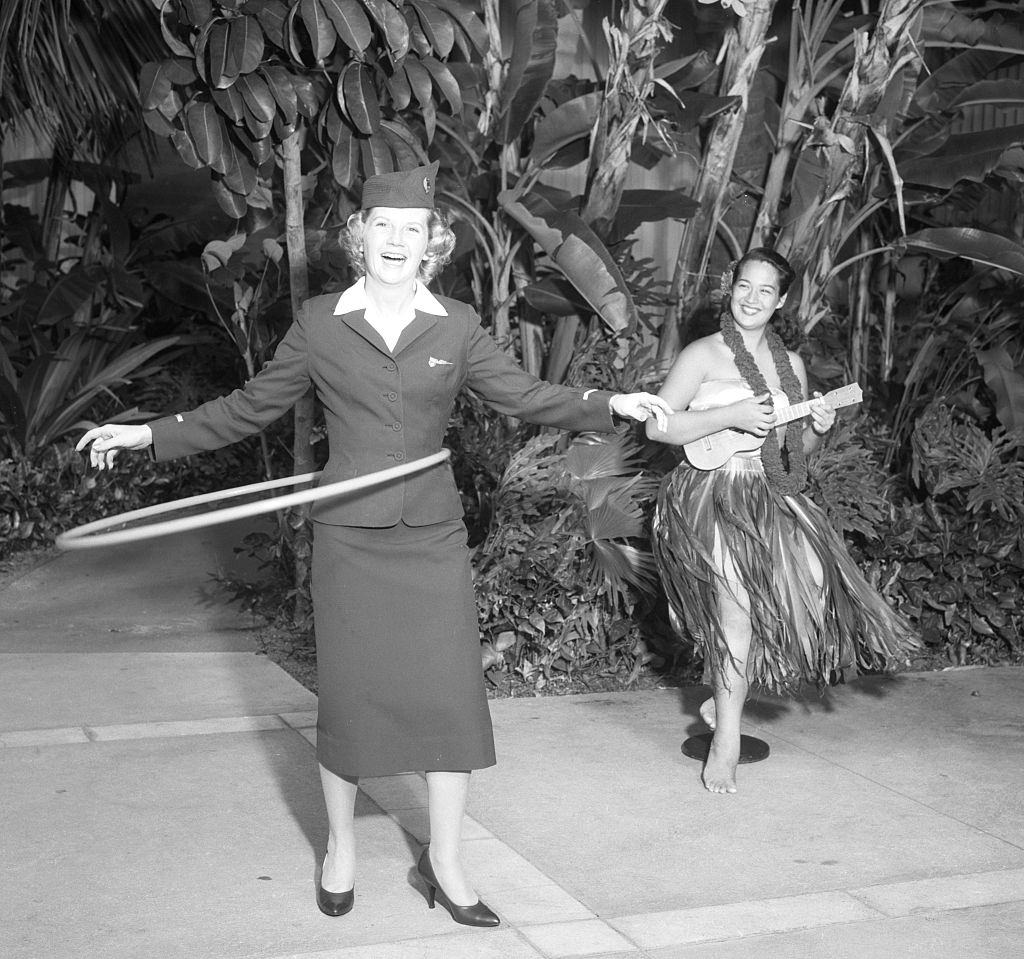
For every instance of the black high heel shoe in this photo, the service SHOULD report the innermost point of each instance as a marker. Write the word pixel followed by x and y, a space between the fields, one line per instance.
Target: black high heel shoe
pixel 476 915
pixel 335 903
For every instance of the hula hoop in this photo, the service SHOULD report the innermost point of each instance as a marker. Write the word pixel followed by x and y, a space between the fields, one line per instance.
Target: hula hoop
pixel 92 534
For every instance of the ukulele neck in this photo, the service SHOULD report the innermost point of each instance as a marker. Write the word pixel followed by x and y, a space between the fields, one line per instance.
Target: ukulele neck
pixel 789 413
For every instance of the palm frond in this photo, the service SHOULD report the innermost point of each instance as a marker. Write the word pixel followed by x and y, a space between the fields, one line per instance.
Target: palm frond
pixel 68 71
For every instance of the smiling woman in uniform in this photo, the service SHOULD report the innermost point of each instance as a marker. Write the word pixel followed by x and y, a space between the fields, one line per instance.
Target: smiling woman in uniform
pixel 398 648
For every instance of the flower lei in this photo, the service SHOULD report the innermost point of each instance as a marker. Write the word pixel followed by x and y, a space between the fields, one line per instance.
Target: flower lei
pixel 790 478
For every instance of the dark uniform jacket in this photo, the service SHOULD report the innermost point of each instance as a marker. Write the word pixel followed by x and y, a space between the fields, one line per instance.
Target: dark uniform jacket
pixel 383 408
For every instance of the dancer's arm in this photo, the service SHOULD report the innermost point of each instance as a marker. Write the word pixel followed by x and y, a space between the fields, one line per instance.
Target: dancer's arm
pixel 688 371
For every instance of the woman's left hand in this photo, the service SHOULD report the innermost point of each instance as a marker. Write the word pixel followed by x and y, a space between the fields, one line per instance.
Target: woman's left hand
pixel 823 417
pixel 642 406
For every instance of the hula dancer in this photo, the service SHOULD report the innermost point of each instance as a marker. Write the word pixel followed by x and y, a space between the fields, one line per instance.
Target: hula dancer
pixel 754 573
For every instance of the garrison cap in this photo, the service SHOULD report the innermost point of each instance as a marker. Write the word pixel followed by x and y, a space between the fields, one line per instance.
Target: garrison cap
pixel 405 189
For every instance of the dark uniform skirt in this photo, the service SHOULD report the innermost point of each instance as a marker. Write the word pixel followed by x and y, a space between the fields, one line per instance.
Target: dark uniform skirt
pixel 398 651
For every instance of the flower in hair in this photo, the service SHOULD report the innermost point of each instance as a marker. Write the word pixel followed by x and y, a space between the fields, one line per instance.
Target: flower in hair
pixel 725 283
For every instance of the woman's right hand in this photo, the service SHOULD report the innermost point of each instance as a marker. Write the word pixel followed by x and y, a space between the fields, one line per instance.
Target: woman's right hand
pixel 754 415
pixel 109 439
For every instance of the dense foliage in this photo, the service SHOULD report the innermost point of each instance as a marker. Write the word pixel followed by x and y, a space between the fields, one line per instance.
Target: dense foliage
pixel 875 144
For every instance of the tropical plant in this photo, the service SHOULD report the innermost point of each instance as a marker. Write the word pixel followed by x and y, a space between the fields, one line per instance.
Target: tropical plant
pixel 68 76
pixel 524 121
pixel 864 163
pixel 73 334
pixel 564 571
pixel 964 335
pixel 960 553
pixel 52 491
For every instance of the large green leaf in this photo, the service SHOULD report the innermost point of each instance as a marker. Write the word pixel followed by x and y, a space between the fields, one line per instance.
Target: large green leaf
pixel 258 99
pixel 279 82
pixel 319 27
pixel 229 102
pixel 246 44
pixel 69 293
pixel 351 23
pixel 358 97
pixel 392 25
pixel 404 144
pixel 398 87
pixel 943 23
pixel 445 82
pixel 376 155
pixel 578 252
pixel 534 43
pixel 436 25
pixel 207 131
pixel 198 11
pixel 271 15
pixel 649 206
pixel 940 89
pixel 233 204
pixel 966 156
pixel 976 245
pixel 419 80
pixel 466 17
pixel 1008 385
pixel 220 62
pixel 345 156
pixel 999 93
pixel 567 123
pixel 154 85
pixel 555 296
pixel 170 28
pixel 239 172
pixel 186 148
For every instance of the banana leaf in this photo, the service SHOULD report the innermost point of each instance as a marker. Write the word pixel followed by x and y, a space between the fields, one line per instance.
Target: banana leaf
pixel 966 156
pixel 534 44
pixel 578 252
pixel 989 249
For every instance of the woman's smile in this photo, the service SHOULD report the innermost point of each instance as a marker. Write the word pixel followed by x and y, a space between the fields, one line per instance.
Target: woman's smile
pixel 394 243
pixel 755 294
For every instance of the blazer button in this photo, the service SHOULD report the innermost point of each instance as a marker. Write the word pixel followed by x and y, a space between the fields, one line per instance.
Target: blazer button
pixel 390 367
pixel 396 427
pixel 399 456
pixel 392 396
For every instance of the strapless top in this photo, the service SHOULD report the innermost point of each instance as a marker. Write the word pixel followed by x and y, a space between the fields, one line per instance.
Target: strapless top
pixel 721 392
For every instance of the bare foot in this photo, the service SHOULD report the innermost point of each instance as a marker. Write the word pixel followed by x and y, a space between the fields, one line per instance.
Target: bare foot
pixel 707 712
pixel 719 775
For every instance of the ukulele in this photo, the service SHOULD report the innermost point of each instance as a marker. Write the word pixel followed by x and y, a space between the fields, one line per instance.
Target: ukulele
pixel 711 451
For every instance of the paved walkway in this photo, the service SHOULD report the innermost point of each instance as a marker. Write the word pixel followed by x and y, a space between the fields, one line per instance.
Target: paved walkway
pixel 160 799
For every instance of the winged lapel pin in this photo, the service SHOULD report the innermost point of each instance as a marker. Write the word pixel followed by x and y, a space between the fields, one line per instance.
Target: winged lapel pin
pixel 434 361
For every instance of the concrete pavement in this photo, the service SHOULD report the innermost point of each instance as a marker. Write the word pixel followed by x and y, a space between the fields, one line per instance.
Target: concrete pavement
pixel 160 798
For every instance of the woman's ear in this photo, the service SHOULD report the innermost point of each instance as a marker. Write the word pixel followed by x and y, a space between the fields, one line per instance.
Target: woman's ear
pixel 782 301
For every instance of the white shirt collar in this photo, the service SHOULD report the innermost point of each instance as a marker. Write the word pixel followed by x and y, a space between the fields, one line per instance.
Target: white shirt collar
pixel 354 298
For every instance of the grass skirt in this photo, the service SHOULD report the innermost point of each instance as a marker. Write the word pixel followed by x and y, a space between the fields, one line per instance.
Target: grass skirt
pixel 803 631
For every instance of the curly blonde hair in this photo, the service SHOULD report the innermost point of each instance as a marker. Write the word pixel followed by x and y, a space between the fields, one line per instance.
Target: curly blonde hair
pixel 440 243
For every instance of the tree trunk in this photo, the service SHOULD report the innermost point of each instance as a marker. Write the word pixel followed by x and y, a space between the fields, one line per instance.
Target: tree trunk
pixel 634 44
pixel 744 47
pixel 302 450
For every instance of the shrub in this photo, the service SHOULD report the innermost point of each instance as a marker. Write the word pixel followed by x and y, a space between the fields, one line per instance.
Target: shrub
pixel 945 548
pixel 53 491
pixel 565 575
